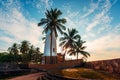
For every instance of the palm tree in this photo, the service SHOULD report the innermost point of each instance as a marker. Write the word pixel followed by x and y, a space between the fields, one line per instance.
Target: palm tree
pixel 31 52
pixel 67 41
pixel 14 51
pixel 25 46
pixel 24 49
pixel 38 55
pixel 79 48
pixel 53 23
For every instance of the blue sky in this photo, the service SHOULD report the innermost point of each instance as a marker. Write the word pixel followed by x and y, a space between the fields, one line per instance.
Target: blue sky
pixel 98 23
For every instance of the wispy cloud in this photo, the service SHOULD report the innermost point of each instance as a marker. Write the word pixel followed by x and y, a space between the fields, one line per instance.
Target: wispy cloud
pixel 102 17
pixel 14 22
pixel 93 7
pixel 104 47
pixel 48 3
pixel 90 26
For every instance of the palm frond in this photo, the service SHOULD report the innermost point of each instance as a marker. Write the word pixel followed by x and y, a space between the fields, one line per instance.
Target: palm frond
pixel 73 32
pixel 62 43
pixel 63 21
pixel 47 28
pixel 63 38
pixel 59 29
pixel 83 47
pixel 61 26
pixel 48 14
pixel 77 36
pixel 65 34
pixel 84 53
pixel 44 38
pixel 72 53
pixel 56 34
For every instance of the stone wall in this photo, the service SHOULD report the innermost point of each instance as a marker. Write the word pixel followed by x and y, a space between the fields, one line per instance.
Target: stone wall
pixel 66 64
pixel 112 66
pixel 9 66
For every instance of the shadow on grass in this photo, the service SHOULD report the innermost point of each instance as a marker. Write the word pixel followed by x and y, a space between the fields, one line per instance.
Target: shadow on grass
pixel 84 73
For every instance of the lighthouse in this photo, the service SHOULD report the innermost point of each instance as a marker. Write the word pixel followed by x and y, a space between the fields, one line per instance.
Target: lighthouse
pixel 48 56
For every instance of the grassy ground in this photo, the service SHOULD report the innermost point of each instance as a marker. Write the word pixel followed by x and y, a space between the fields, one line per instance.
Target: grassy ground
pixel 85 73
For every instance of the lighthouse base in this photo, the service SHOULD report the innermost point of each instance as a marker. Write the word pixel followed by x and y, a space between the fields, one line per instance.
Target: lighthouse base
pixel 50 59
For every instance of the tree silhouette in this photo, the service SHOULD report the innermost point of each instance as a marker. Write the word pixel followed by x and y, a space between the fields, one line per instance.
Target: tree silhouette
pixel 78 48
pixel 68 39
pixel 53 23
pixel 13 50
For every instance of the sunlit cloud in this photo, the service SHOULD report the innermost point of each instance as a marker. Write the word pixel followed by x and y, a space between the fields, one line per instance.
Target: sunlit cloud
pixel 104 47
pixel 15 23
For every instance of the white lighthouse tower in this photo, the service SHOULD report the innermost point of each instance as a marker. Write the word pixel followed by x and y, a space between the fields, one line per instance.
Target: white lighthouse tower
pixel 48 56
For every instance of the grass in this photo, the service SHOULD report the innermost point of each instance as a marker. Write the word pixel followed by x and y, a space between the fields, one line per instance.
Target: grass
pixel 85 73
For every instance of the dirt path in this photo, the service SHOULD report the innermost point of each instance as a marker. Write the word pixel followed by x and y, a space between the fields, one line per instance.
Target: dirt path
pixel 28 77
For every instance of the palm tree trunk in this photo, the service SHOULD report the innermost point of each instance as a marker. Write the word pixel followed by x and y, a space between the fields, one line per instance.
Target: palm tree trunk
pixel 77 56
pixel 51 49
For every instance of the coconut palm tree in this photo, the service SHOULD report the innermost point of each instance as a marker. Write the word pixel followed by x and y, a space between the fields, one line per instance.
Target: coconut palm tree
pixel 31 52
pixel 25 46
pixel 78 48
pixel 53 23
pixel 68 39
pixel 38 55
pixel 24 49
pixel 14 51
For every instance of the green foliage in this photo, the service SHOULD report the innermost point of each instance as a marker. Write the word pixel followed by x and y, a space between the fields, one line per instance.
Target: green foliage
pixel 24 47
pixel 72 44
pixel 28 53
pixel 5 57
pixel 68 39
pixel 53 22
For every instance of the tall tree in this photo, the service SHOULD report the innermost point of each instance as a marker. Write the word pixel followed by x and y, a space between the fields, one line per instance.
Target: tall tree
pixel 68 40
pixel 38 55
pixel 14 51
pixel 79 48
pixel 31 52
pixel 25 46
pixel 24 49
pixel 53 23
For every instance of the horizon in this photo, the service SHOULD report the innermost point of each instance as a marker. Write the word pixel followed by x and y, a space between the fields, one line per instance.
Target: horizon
pixel 98 23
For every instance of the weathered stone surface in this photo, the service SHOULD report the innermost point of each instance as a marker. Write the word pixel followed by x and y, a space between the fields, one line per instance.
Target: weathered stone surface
pixel 9 66
pixel 112 66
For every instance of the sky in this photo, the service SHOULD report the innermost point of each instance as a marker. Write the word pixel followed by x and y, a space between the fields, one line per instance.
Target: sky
pixel 98 23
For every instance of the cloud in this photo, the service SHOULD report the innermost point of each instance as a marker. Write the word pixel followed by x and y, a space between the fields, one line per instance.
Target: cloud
pixel 93 7
pixel 16 24
pixel 90 26
pixel 48 3
pixel 6 39
pixel 103 17
pixel 105 47
pixel 116 29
